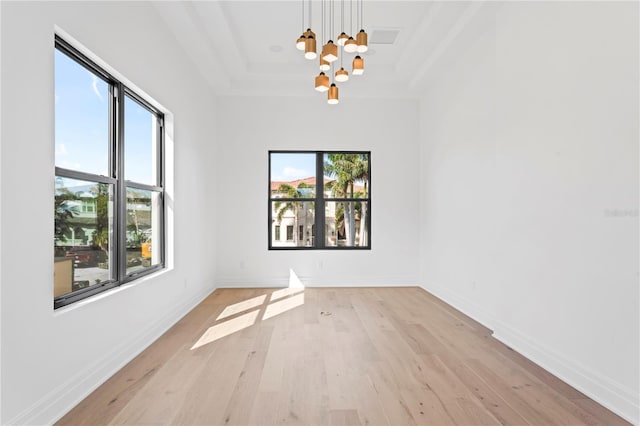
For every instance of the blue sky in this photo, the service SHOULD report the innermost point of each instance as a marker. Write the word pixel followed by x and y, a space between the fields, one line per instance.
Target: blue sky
pixel 82 125
pixel 288 167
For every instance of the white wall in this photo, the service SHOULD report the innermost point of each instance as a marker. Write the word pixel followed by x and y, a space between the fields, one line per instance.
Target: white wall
pixel 523 191
pixel 50 360
pixel 529 197
pixel 250 127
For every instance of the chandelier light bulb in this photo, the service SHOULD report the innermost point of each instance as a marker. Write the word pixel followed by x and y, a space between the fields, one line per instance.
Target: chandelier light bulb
pixel 342 38
pixel 361 41
pixel 330 51
pixel 358 66
pixel 350 46
pixel 332 97
pixel 300 43
pixel 322 82
pixel 310 48
pixel 324 65
pixel 342 75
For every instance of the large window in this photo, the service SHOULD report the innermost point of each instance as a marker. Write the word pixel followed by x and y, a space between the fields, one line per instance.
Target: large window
pixel 329 189
pixel 109 191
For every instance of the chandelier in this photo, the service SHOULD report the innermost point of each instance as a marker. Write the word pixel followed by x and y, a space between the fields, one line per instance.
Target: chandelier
pixel 332 52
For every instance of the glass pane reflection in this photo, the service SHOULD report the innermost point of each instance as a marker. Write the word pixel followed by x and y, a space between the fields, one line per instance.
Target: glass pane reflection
pixel 143 229
pixel 83 233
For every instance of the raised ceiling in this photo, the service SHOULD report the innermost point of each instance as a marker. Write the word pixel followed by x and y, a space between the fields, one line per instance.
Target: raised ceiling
pixel 248 47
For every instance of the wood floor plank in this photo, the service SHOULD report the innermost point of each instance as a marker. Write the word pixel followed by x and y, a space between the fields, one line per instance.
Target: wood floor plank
pixel 118 390
pixel 344 417
pixel 245 390
pixel 333 356
pixel 492 402
pixel 599 414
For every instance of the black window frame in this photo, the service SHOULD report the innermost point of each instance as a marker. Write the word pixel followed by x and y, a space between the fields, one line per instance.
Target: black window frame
pixel 318 240
pixel 118 91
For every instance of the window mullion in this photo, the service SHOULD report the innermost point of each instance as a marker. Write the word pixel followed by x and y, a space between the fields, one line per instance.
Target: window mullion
pixel 160 156
pixel 161 182
pixel 269 207
pixel 60 171
pixel 131 184
pixel 120 208
pixel 319 210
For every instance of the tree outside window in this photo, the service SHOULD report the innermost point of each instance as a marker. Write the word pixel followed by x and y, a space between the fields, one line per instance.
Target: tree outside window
pixel 339 202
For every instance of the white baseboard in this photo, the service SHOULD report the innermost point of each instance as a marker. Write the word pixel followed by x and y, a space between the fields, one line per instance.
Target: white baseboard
pixel 253 283
pixel 462 304
pixel 614 396
pixel 309 281
pixel 63 398
pixel 618 398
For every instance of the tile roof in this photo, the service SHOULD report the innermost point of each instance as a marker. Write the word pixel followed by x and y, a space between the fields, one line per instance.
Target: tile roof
pixel 308 181
pixel 295 183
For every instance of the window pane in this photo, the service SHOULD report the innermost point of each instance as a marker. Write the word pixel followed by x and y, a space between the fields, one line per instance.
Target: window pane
pixel 296 218
pixel 83 213
pixel 293 175
pixel 140 143
pixel 346 175
pixel 143 229
pixel 81 118
pixel 346 224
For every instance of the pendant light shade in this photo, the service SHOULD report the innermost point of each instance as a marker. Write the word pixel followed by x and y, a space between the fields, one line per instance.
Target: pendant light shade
pixel 310 48
pixel 350 46
pixel 361 41
pixel 342 75
pixel 332 98
pixel 324 65
pixel 330 51
pixel 358 65
pixel 342 38
pixel 322 82
pixel 300 43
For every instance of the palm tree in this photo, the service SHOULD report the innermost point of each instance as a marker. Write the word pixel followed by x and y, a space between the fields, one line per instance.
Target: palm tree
pixel 347 169
pixel 65 209
pixel 101 234
pixel 339 167
pixel 361 173
pixel 282 207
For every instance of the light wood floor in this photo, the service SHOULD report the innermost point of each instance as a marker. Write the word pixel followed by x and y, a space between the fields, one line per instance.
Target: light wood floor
pixel 377 356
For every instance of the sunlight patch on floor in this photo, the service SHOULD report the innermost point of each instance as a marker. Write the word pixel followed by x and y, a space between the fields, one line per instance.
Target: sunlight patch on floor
pixel 245 305
pixel 285 292
pixel 280 301
pixel 277 308
pixel 226 328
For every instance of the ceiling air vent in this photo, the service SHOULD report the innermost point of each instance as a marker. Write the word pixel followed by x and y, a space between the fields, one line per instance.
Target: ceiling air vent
pixel 383 36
